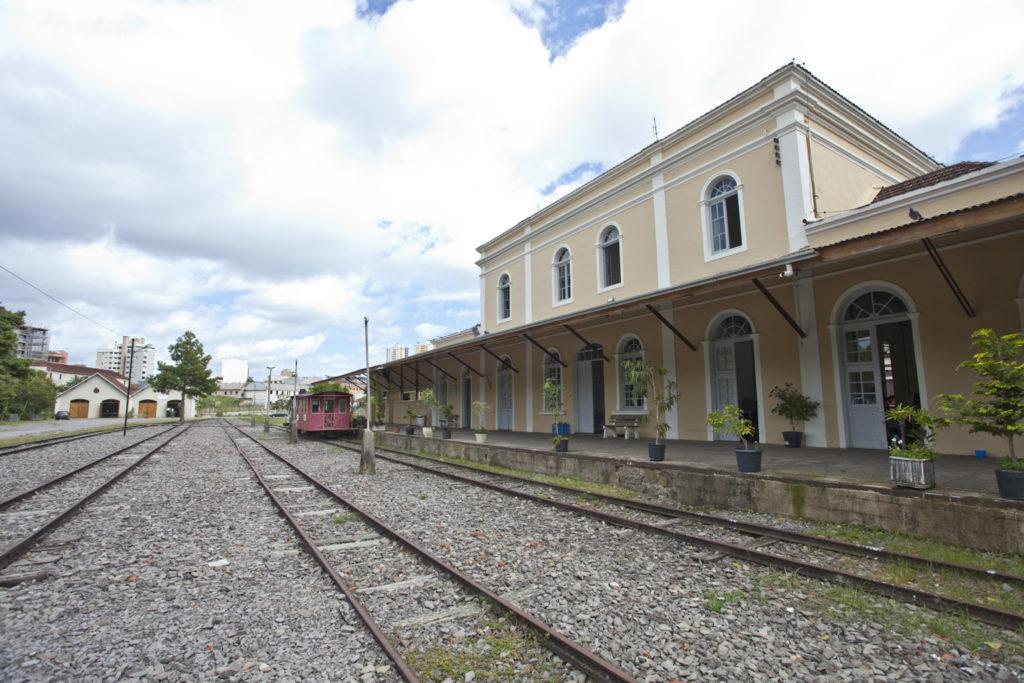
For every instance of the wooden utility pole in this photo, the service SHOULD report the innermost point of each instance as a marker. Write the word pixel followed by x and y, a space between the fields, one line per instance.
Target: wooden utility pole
pixel 368 461
pixel 128 386
pixel 266 413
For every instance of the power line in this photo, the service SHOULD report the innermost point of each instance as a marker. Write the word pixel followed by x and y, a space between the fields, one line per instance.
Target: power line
pixel 48 295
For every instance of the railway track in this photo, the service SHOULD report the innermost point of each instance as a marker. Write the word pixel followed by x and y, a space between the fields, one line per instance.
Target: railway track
pixel 743 540
pixel 378 548
pixel 22 533
pixel 57 440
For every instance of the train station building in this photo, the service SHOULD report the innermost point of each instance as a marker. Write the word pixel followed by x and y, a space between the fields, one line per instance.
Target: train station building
pixel 784 236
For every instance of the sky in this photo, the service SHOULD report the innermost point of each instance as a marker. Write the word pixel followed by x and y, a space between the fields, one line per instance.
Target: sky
pixel 266 174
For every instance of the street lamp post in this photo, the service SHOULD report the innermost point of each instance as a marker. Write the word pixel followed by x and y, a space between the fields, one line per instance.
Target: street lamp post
pixel 266 413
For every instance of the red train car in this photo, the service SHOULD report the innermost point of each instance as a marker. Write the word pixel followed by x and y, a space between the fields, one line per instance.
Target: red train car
pixel 324 412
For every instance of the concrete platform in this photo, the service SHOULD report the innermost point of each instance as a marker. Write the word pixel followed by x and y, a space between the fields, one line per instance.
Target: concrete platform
pixel 953 473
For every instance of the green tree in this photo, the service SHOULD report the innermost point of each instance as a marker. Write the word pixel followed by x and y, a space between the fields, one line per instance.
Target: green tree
pixel 72 382
pixel 36 395
pixel 190 373
pixel 12 369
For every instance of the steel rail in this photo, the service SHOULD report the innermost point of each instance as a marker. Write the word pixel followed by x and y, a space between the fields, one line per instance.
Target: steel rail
pixel 392 652
pixel 57 440
pixel 935 601
pixel 750 528
pixel 4 504
pixel 569 650
pixel 15 551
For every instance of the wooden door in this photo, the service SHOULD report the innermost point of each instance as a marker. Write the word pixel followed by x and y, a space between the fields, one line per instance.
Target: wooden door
pixel 79 408
pixel 147 408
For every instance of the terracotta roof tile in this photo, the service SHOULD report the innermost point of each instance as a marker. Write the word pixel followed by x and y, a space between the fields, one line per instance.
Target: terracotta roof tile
pixel 933 178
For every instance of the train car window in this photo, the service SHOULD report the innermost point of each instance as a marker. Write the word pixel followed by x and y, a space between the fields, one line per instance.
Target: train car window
pixel 343 405
pixel 316 406
pixel 328 405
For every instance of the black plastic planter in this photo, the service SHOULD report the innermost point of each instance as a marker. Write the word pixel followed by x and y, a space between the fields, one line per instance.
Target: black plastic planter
pixel 562 446
pixel 793 439
pixel 656 452
pixel 1011 484
pixel 748 460
pixel 410 431
pixel 446 433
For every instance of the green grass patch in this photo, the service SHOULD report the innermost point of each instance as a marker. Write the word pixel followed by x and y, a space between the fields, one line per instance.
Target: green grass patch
pixel 581 485
pixel 345 518
pixel 489 654
pixel 969 588
pixel 844 603
pixel 716 602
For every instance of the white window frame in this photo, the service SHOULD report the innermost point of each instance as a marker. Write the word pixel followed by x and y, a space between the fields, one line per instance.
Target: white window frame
pixel 705 218
pixel 497 312
pixel 547 362
pixel 620 376
pixel 555 301
pixel 599 248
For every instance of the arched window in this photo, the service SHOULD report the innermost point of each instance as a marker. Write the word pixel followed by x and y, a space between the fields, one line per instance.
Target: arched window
pixel 611 257
pixel 553 374
pixel 724 226
pixel 563 275
pixel 630 349
pixel 732 326
pixel 874 304
pixel 504 297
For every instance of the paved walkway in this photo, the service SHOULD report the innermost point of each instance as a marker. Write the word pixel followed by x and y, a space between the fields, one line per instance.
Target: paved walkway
pixel 56 427
pixel 952 472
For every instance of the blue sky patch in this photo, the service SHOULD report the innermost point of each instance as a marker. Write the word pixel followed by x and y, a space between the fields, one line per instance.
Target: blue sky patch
pixel 564 21
pixel 573 175
pixel 1005 139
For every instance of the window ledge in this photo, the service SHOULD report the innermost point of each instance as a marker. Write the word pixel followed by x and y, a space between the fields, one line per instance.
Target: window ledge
pixel 714 256
pixel 610 287
pixel 563 302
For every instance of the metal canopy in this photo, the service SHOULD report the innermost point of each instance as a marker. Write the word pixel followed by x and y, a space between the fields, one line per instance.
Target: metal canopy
pixel 586 342
pixel 465 364
pixel 437 367
pixel 778 307
pixel 670 326
pixel 499 358
pixel 541 347
pixel 948 277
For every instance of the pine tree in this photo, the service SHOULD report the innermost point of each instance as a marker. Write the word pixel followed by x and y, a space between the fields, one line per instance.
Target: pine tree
pixel 190 373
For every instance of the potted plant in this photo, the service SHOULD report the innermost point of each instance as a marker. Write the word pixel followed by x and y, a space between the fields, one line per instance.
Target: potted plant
pixel 795 407
pixel 554 403
pixel 999 406
pixel 658 396
pixel 447 412
pixel 480 408
pixel 427 397
pixel 911 456
pixel 730 421
pixel 410 415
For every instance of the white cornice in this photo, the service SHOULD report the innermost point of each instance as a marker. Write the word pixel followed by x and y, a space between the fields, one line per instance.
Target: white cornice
pixel 964 182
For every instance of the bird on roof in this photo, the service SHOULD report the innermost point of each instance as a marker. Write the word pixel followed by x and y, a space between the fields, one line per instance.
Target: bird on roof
pixel 915 215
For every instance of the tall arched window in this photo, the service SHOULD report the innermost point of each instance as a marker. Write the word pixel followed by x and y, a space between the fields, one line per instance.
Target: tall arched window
pixel 611 257
pixel 629 349
pixel 504 297
pixel 563 275
pixel 725 230
pixel 553 374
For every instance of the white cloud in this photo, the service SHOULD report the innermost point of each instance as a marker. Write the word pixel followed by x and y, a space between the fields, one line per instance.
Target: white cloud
pixel 429 330
pixel 258 171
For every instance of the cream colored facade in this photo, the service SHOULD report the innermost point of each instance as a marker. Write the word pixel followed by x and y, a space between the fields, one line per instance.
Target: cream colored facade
pixel 872 313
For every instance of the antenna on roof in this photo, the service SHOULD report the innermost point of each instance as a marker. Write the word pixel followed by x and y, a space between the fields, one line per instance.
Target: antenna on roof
pixel 654 125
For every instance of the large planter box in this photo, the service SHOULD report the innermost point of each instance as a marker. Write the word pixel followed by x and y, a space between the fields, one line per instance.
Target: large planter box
pixel 912 473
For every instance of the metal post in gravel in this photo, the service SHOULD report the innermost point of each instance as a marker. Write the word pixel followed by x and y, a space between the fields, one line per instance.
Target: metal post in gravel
pixel 266 412
pixel 128 387
pixel 367 462
pixel 293 428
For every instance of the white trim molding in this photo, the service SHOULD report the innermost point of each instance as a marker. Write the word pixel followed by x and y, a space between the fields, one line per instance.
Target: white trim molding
pixel 527 284
pixel 497 311
pixel 661 251
pixel 796 177
pixel 705 207
pixel 599 254
pixel 810 357
pixel 668 361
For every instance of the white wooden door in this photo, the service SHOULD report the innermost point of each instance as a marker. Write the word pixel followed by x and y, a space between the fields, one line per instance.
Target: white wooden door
pixel 725 380
pixel 864 404
pixel 505 399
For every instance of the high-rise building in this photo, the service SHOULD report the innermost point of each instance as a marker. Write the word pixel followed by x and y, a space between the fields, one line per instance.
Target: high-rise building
pixel 234 370
pixel 119 358
pixel 394 353
pixel 33 342
pixel 422 347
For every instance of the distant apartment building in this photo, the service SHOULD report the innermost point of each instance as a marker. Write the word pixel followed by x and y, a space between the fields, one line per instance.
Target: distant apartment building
pixel 422 347
pixel 57 357
pixel 234 370
pixel 394 353
pixel 255 393
pixel 119 358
